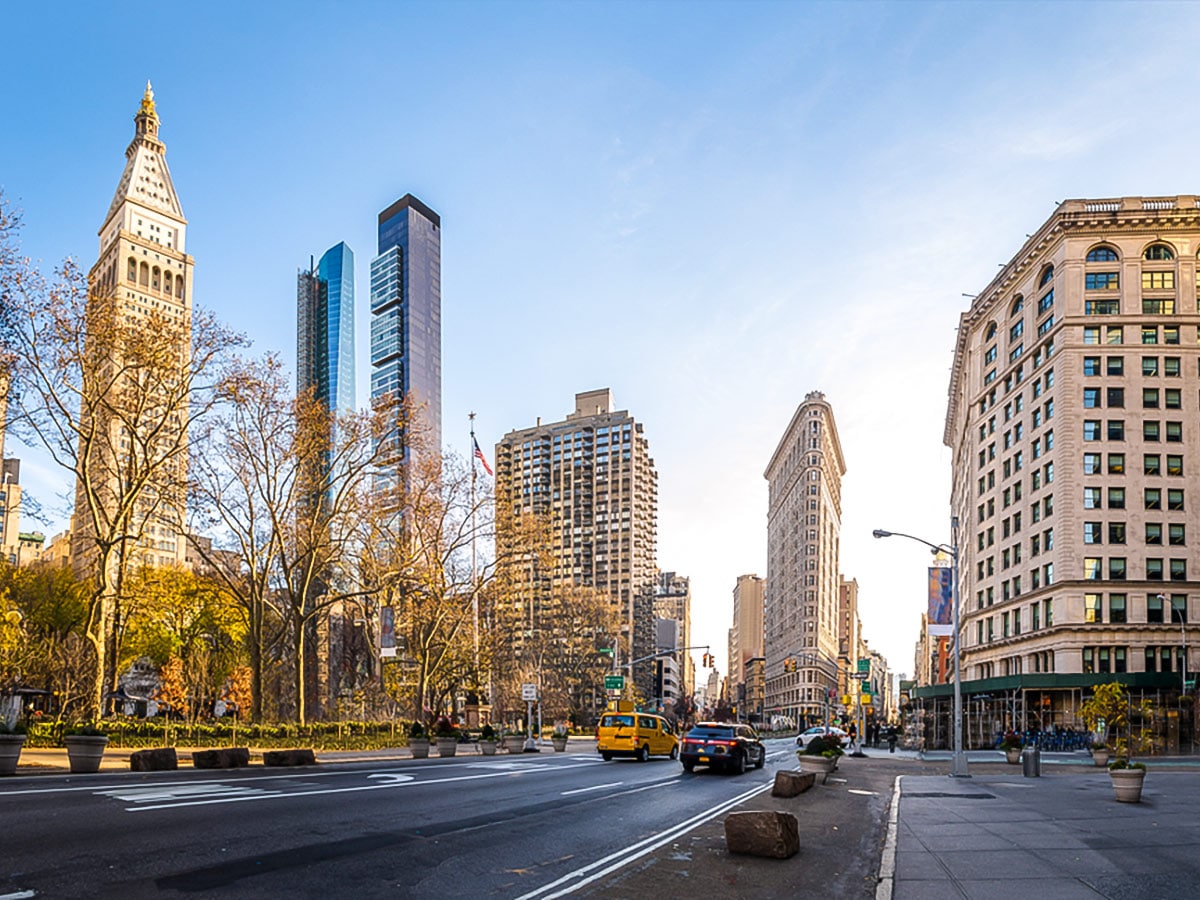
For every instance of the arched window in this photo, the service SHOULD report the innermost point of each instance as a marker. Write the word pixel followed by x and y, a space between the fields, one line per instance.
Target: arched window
pixel 1018 305
pixel 132 270
pixel 1047 276
pixel 1159 252
pixel 144 275
pixel 179 286
pixel 1101 254
pixel 155 278
pixel 991 332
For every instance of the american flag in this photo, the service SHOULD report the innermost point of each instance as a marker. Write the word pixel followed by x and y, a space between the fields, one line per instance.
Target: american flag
pixel 479 456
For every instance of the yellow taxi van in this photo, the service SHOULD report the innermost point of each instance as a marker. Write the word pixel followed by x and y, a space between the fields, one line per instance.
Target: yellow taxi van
pixel 625 732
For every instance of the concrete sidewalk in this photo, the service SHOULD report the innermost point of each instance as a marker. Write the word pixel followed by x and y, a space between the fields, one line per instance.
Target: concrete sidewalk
pixel 1062 835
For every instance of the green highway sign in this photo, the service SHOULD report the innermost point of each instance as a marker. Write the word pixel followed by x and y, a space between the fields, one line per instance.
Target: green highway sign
pixel 614 682
pixel 864 665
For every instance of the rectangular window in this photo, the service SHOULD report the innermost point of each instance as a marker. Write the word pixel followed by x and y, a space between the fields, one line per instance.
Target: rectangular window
pixel 1116 430
pixel 1092 498
pixel 1158 281
pixel 1035 611
pixel 1114 334
pixel 1116 568
pixel 1174 464
pixel 1091 430
pixel 1179 608
pixel 1091 334
pixel 1091 398
pixel 1149 334
pixel 1091 608
pixel 1176 534
pixel 1153 498
pixel 1116 498
pixel 1150 431
pixel 1162 307
pixel 1154 609
pixel 1048 611
pixel 1093 532
pixel 1179 570
pixel 1152 464
pixel 1119 659
pixel 1149 366
pixel 1149 398
pixel 1173 398
pixel 1171 366
pixel 1116 532
pixel 1091 463
pixel 1116 608
pixel 1043 326
pixel 1154 569
pixel 1170 334
pixel 1174 432
pixel 1092 569
pixel 1116 464
pixel 1175 498
pixel 1100 281
pixel 1115 365
pixel 1153 532
pixel 1046 301
pixel 1102 307
pixel 1115 397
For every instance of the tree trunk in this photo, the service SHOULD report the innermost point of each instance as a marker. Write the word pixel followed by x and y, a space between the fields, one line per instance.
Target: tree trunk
pixel 298 625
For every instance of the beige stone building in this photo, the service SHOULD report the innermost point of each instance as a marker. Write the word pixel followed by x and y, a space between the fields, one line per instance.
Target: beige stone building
pixel 143 265
pixel 801 644
pixel 746 644
pixel 673 602
pixel 592 480
pixel 1073 423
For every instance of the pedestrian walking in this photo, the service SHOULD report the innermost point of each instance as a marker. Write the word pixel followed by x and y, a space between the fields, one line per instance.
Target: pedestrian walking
pixel 891 738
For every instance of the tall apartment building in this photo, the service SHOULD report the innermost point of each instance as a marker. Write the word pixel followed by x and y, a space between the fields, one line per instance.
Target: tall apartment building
pixel 144 266
pixel 746 642
pixel 10 504
pixel 1074 426
pixel 592 481
pixel 673 601
pixel 804 516
pixel 325 329
pixel 406 313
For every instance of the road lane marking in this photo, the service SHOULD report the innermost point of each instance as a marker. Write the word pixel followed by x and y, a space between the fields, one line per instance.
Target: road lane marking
pixel 19 895
pixel 596 787
pixel 629 854
pixel 185 792
pixel 395 777
pixel 861 793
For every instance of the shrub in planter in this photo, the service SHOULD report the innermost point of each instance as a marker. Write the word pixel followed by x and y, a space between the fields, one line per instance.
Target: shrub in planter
pixel 1011 745
pixel 559 740
pixel 418 741
pixel 85 748
pixel 488 741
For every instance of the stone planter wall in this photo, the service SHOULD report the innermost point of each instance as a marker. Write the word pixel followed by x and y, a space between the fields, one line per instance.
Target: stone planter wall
pixel 813 763
pixel 419 747
pixel 447 746
pixel 84 752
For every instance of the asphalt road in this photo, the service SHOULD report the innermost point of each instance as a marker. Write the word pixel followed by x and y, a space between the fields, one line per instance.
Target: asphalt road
pixel 526 826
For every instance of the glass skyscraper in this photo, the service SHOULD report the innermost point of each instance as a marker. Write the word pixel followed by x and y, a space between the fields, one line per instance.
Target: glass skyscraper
pixel 325 329
pixel 406 312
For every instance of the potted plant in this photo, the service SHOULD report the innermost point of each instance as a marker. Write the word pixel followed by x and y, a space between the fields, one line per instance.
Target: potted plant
pixel 1100 753
pixel 1127 778
pixel 12 739
pixel 559 739
pixel 514 742
pixel 487 741
pixel 447 736
pixel 418 741
pixel 1011 745
pixel 820 754
pixel 85 748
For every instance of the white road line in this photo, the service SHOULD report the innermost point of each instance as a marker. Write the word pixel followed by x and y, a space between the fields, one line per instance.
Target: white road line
pixel 595 787
pixel 624 857
pixel 19 895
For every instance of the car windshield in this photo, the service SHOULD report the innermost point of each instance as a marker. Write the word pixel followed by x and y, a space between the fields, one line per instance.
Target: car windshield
pixel 616 722
pixel 711 732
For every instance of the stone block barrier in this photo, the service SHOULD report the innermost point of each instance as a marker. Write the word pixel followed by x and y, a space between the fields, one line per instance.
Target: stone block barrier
pixel 298 757
pixel 222 758
pixel 160 759
pixel 767 833
pixel 791 784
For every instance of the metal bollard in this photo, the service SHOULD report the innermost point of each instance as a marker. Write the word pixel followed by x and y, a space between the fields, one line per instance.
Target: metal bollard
pixel 1031 762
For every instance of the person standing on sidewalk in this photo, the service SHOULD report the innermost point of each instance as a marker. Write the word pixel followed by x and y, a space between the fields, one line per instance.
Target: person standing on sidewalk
pixel 891 738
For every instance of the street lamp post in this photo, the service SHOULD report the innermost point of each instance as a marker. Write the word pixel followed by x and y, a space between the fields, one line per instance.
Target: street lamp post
pixel 958 759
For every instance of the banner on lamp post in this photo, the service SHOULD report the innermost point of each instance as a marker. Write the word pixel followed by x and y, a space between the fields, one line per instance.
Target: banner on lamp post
pixel 941 601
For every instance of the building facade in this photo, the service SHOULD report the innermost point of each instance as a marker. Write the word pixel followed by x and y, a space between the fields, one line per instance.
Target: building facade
pixel 325 329
pixel 1073 424
pixel 746 635
pixel 591 481
pixel 142 274
pixel 406 314
pixel 673 601
pixel 800 616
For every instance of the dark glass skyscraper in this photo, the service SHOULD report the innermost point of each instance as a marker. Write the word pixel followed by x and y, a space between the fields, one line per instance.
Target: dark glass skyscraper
pixel 325 329
pixel 406 311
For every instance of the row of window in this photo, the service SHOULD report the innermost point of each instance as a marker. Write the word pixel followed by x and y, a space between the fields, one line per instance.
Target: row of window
pixel 1152 464
pixel 1103 660
pixel 1114 430
pixel 1176 533
pixel 1115 365
pixel 1118 569
pixel 1115 334
pixel 1114 397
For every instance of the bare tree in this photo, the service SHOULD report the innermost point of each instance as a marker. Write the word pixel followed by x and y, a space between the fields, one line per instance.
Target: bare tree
pixel 110 395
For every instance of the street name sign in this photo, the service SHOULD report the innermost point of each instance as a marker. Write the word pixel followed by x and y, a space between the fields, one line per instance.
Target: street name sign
pixel 614 682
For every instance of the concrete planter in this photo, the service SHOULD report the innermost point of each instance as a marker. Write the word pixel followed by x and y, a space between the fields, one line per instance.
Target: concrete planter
pixel 1013 755
pixel 815 763
pixel 560 744
pixel 447 746
pixel 10 752
pixel 419 747
pixel 1127 784
pixel 514 743
pixel 84 752
pixel 487 748
pixel 1100 757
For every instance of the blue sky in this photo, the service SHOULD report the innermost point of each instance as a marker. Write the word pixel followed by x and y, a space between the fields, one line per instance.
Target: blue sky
pixel 725 205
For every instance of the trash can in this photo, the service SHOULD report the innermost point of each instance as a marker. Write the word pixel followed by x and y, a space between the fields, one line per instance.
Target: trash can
pixel 1031 762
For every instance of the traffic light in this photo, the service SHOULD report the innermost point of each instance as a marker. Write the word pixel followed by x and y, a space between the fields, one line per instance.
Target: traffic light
pixel 708 660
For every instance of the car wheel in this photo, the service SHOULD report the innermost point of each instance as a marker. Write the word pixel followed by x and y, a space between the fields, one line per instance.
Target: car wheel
pixel 607 757
pixel 675 752
pixel 643 753
pixel 762 758
pixel 739 764
pixel 688 765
